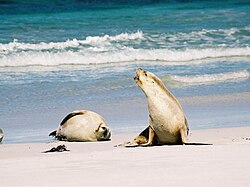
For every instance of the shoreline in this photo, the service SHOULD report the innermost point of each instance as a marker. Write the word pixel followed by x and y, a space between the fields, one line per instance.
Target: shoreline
pixel 131 116
pixel 102 164
pixel 193 135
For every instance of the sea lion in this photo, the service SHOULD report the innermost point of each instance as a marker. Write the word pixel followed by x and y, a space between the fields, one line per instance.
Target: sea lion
pixel 167 121
pixel 82 126
pixel 1 135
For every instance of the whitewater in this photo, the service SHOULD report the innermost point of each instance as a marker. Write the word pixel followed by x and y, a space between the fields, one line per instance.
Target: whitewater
pixel 124 47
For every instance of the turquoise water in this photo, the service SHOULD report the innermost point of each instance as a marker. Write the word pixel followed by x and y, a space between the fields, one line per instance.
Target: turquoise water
pixel 57 56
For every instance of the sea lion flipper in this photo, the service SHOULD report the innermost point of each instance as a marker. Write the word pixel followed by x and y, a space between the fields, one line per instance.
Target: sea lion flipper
pixel 146 138
pixel 192 143
pixel 131 144
pixel 128 144
pixel 150 137
pixel 142 138
pixel 53 133
pixel 183 133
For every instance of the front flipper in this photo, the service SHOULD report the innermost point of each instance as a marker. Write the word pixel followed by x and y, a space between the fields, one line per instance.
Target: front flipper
pixel 151 138
pixel 146 138
pixel 131 144
pixel 142 138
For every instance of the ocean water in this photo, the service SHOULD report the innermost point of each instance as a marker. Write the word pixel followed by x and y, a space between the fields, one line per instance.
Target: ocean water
pixel 59 56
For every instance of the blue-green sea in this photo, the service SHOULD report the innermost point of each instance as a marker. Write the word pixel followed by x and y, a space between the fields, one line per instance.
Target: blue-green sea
pixel 59 56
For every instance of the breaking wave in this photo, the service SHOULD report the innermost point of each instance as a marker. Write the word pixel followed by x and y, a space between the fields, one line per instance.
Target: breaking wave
pixel 74 43
pixel 124 47
pixel 93 56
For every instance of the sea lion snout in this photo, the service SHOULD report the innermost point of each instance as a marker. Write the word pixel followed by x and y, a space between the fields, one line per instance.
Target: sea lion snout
pixel 104 132
pixel 138 74
pixel 142 77
pixel 141 72
pixel 138 71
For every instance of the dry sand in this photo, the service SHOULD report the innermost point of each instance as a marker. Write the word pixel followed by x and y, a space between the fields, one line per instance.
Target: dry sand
pixel 225 163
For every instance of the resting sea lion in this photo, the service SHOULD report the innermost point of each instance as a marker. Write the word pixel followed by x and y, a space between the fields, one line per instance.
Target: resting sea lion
pixel 82 126
pixel 167 121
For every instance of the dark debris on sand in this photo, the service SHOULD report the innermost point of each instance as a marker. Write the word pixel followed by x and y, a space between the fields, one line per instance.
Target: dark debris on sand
pixel 60 148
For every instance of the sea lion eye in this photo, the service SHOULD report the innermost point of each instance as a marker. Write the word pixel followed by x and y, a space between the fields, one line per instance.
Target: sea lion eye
pixel 146 74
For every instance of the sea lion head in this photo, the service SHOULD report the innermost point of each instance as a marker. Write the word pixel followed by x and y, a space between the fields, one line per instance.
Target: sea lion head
pixel 147 80
pixel 102 132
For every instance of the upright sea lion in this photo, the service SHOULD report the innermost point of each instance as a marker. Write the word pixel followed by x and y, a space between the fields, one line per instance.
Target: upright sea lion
pixel 167 121
pixel 82 126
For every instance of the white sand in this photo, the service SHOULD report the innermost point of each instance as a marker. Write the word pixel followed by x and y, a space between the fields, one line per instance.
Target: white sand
pixel 226 163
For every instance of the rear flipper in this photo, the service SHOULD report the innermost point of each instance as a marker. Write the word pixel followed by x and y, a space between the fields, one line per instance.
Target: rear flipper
pixel 184 138
pixel 53 133
pixel 58 137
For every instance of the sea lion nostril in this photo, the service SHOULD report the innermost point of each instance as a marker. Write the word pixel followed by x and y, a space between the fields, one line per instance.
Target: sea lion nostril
pixel 104 128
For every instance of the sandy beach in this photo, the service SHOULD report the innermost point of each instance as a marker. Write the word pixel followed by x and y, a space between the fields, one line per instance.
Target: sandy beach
pixel 225 163
pixel 60 56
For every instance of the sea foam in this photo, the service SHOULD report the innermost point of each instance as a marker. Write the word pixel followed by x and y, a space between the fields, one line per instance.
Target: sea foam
pixel 211 78
pixel 127 54
pixel 124 47
pixel 74 43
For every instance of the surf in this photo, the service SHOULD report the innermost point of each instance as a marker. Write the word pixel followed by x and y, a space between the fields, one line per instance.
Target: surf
pixel 192 80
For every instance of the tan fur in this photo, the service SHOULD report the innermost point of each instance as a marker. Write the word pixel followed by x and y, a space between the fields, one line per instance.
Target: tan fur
pixel 82 125
pixel 167 122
